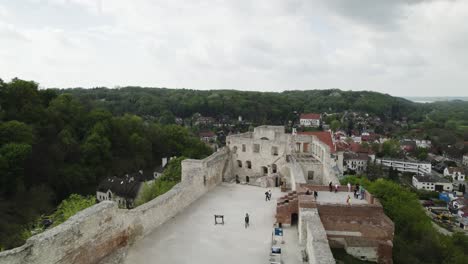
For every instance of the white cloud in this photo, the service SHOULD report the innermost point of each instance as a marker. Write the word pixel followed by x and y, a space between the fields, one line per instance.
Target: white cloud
pixel 398 47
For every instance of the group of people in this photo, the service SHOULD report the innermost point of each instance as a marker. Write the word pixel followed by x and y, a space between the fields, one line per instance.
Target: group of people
pixel 359 191
pixel 330 186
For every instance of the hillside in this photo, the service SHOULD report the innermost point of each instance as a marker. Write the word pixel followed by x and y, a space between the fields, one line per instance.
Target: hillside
pixel 259 107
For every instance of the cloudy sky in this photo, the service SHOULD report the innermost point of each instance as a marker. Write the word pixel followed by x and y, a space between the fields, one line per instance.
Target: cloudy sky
pixel 400 47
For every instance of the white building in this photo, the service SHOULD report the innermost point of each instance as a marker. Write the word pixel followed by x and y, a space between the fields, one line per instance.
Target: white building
pixel 431 182
pixel 355 161
pixel 310 120
pixel 423 143
pixel 457 174
pixel 420 168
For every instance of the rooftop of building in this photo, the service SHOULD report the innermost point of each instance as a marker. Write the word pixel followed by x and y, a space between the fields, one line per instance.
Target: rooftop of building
pixel 455 169
pixel 310 116
pixel 430 178
pixel 324 136
pixel 355 156
pixel 404 160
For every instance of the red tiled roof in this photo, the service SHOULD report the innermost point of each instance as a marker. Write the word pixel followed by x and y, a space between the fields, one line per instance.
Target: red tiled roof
pixel 357 148
pixel 342 146
pixel 310 116
pixel 207 134
pixel 323 136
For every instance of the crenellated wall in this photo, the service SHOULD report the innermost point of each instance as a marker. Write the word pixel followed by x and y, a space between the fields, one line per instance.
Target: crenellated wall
pixel 96 232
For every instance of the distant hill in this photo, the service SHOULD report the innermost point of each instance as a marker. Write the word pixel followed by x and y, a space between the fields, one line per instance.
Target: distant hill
pixel 260 107
pixel 430 99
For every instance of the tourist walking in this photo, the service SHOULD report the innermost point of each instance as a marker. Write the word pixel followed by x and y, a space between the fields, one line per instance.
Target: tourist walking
pixel 347 200
pixel 266 196
pixel 349 187
pixel 315 195
pixel 336 188
pixel 247 220
pixel 330 186
pixel 269 195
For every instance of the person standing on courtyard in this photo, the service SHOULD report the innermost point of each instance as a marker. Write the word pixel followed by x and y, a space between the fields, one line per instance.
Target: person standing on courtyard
pixel 269 195
pixel 347 200
pixel 247 220
pixel 336 188
pixel 266 196
pixel 315 195
pixel 349 187
pixel 330 186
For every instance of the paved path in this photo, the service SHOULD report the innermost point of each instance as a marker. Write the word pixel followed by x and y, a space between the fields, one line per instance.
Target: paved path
pixel 192 237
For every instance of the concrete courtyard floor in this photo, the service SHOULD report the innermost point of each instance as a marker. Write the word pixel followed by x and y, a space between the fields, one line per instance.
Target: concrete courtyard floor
pixel 338 198
pixel 192 236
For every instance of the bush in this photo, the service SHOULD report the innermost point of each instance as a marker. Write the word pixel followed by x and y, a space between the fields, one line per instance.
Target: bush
pixel 171 176
pixel 70 206
pixel 416 240
pixel 427 195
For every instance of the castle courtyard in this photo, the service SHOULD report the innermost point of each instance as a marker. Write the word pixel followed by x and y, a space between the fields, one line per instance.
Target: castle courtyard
pixel 192 236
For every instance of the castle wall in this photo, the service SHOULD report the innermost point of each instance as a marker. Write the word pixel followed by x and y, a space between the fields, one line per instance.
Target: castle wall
pixel 96 232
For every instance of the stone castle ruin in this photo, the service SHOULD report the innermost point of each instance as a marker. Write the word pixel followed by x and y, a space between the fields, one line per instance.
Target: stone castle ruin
pixel 266 157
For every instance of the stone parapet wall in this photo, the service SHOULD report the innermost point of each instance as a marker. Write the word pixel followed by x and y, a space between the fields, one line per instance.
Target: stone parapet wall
pixel 317 247
pixel 96 232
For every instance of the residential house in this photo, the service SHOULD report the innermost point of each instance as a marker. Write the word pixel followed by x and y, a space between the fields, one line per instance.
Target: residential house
pixel 356 162
pixel 126 189
pixel 422 143
pixel 310 120
pixel 207 136
pixel 459 206
pixel 457 173
pixel 408 145
pixel 431 182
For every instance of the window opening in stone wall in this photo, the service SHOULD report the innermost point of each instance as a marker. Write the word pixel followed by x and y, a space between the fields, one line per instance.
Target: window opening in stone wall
pixel 247 179
pixel 239 163
pixel 310 175
pixel 204 180
pixel 274 151
pixel 264 170
pixel 249 164
pixel 234 149
pixel 274 168
pixel 256 148
pixel 243 147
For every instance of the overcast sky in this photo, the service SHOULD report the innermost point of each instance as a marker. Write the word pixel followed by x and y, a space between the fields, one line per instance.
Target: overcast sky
pixel 400 47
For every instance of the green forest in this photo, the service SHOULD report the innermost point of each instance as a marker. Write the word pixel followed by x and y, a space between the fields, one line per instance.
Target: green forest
pixel 258 107
pixel 53 145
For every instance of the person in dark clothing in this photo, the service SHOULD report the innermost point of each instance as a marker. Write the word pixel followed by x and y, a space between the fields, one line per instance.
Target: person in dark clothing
pixel 247 220
pixel 308 192
pixel 315 195
pixel 330 186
